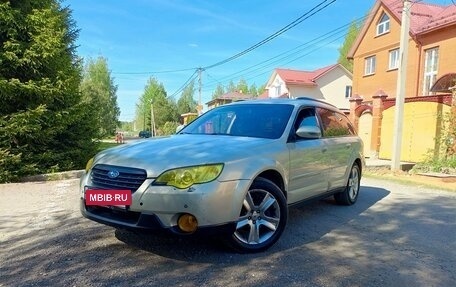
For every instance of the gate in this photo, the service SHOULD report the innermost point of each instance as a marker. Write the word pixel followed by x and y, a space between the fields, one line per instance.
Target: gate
pixel 364 132
pixel 422 123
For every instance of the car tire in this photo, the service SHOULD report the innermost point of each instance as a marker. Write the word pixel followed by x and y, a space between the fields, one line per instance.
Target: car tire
pixel 262 219
pixel 351 191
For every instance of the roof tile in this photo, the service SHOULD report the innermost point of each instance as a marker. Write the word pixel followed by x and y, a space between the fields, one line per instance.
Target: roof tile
pixel 302 77
pixel 425 16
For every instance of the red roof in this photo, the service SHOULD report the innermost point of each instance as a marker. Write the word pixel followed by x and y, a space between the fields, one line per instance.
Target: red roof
pixel 264 95
pixel 302 77
pixel 425 17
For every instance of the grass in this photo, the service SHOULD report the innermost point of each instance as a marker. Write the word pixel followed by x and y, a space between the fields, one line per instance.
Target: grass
pixel 105 145
pixel 411 179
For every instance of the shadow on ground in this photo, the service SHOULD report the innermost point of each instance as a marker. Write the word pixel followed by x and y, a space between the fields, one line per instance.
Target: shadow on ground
pixel 323 245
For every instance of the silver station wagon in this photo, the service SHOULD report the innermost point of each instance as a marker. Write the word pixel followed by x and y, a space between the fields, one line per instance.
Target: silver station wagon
pixel 233 172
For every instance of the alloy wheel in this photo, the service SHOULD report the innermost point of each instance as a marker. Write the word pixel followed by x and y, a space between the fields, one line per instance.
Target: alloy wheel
pixel 259 218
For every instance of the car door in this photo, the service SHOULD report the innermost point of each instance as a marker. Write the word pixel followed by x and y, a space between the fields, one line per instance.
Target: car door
pixel 340 140
pixel 308 161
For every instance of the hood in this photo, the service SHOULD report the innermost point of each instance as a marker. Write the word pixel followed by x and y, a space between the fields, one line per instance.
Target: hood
pixel 156 155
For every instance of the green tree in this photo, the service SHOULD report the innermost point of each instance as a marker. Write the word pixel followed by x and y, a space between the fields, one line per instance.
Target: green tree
pixel 350 38
pixel 44 125
pixel 99 91
pixel 231 87
pixel 126 126
pixel 242 86
pixel 169 128
pixel 186 103
pixel 219 90
pixel 261 89
pixel 253 90
pixel 164 108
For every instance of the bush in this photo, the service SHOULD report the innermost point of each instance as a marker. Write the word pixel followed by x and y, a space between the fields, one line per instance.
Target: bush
pixel 169 128
pixel 444 159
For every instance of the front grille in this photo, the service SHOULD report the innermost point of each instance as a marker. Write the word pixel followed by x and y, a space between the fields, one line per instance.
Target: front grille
pixel 128 178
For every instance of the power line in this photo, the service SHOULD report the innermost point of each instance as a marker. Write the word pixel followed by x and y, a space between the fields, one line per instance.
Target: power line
pixel 261 70
pixel 189 80
pixel 290 53
pixel 155 72
pixel 294 23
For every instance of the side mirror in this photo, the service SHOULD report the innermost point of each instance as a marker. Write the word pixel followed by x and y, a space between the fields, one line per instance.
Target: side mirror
pixel 309 132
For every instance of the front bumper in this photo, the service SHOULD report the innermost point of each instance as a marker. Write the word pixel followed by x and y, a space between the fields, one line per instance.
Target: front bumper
pixel 216 206
pixel 131 220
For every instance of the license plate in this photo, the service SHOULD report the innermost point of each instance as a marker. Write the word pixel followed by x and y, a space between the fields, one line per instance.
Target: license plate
pixel 108 197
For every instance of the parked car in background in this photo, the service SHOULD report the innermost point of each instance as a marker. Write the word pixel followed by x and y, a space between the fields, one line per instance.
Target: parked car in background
pixel 144 134
pixel 233 171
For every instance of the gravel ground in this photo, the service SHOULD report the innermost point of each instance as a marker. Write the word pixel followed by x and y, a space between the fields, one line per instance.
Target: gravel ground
pixel 395 235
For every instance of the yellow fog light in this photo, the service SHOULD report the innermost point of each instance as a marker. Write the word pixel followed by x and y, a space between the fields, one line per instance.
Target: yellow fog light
pixel 187 223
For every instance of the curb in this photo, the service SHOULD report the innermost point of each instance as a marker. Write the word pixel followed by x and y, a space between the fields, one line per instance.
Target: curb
pixel 72 174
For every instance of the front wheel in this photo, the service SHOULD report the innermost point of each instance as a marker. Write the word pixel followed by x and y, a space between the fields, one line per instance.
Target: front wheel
pixel 351 191
pixel 262 219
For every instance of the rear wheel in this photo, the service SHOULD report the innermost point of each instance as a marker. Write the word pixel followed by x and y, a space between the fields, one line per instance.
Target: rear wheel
pixel 351 191
pixel 262 219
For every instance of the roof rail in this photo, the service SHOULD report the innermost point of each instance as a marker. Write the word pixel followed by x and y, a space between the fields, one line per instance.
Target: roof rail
pixel 313 99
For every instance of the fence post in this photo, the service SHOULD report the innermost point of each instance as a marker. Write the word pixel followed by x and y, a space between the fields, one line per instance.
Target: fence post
pixel 377 115
pixel 355 102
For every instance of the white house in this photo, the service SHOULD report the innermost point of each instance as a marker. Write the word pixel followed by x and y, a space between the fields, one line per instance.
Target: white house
pixel 332 84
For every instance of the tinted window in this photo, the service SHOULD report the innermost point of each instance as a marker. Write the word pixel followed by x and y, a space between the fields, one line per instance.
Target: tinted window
pixel 334 123
pixel 255 120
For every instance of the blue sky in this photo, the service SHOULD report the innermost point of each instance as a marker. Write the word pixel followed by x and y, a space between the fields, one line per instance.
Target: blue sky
pixel 146 38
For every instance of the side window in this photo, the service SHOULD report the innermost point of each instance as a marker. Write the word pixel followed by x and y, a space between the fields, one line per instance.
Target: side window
pixel 346 124
pixel 306 117
pixel 334 123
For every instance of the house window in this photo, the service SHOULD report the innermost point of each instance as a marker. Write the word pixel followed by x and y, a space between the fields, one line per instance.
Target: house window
pixel 369 66
pixel 430 69
pixel 348 91
pixel 278 88
pixel 383 25
pixel 393 59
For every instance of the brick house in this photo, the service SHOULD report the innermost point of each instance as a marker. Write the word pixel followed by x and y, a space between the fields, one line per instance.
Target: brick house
pixel 431 48
pixel 375 55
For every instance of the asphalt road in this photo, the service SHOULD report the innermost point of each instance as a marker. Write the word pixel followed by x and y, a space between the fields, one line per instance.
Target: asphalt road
pixel 394 236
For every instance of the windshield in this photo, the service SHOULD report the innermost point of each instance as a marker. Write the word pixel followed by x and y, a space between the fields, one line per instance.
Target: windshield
pixel 249 120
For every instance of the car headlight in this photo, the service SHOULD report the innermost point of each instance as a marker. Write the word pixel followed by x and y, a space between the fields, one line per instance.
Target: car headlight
pixel 187 176
pixel 89 165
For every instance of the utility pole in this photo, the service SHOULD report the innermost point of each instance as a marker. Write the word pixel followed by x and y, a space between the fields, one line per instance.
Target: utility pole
pixel 400 89
pixel 144 117
pixel 152 119
pixel 200 105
